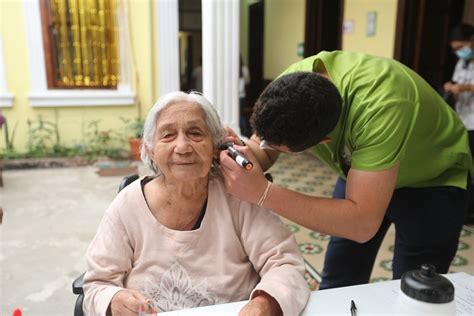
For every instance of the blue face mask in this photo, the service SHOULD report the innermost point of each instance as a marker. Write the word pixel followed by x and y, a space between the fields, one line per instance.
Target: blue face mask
pixel 464 53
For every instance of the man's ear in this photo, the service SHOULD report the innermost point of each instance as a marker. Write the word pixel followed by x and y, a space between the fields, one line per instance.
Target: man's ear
pixel 326 140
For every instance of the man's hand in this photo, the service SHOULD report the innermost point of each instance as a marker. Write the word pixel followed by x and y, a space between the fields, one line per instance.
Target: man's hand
pixel 266 158
pixel 261 305
pixel 129 303
pixel 247 185
pixel 232 136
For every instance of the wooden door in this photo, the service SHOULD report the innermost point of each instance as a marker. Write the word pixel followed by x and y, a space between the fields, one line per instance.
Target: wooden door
pixel 255 50
pixel 323 26
pixel 422 37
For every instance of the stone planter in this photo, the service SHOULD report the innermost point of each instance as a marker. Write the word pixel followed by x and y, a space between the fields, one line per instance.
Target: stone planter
pixel 57 162
pixel 115 168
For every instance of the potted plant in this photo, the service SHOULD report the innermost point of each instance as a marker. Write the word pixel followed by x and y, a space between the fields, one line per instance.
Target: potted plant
pixel 135 128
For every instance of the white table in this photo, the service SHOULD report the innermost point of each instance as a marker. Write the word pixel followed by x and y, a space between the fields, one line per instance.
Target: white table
pixel 371 299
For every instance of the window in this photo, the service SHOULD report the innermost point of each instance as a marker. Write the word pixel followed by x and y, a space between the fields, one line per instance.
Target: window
pixel 80 43
pixel 48 88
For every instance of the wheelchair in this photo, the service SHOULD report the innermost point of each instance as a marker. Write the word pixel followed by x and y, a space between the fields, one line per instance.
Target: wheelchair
pixel 78 283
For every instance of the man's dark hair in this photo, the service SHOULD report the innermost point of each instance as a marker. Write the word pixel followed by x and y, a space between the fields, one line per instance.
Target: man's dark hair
pixel 461 32
pixel 297 110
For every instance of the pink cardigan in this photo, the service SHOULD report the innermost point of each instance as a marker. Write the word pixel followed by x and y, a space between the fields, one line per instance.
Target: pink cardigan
pixel 238 249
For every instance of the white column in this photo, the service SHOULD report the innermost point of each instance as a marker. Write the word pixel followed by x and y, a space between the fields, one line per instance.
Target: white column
pixel 220 51
pixel 125 46
pixel 168 46
pixel 35 46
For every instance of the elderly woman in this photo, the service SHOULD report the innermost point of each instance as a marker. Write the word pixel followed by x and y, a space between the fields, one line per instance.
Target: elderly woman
pixel 177 240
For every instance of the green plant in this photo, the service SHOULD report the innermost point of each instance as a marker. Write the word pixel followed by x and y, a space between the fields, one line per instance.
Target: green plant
pixel 103 143
pixel 8 139
pixel 40 137
pixel 134 126
pixel 11 154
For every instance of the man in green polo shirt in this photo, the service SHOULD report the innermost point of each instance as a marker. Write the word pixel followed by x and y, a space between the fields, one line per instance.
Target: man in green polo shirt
pixel 402 155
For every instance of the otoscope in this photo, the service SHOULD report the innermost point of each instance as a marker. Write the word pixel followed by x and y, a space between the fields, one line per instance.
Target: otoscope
pixel 238 157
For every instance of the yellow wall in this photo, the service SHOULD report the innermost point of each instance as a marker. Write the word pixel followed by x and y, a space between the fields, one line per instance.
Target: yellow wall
pixel 382 44
pixel 15 55
pixel 73 121
pixel 284 29
pixel 142 31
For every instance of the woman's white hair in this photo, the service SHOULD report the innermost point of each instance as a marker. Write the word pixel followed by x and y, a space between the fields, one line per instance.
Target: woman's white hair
pixel 149 130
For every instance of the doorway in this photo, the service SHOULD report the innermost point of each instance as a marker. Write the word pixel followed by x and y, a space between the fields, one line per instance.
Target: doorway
pixel 190 45
pixel 323 26
pixel 422 37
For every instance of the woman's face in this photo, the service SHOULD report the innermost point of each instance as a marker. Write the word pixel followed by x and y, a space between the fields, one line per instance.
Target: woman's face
pixel 184 147
pixel 455 45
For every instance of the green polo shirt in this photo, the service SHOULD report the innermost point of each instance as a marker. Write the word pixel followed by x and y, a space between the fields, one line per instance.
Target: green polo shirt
pixel 391 115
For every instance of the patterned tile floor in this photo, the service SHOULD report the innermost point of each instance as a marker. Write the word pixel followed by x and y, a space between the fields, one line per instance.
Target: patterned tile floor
pixel 306 174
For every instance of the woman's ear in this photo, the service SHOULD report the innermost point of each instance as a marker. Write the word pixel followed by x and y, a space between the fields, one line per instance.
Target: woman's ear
pixel 149 151
pixel 215 153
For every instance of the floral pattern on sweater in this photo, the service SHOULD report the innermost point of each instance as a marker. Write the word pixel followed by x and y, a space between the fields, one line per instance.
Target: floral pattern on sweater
pixel 176 291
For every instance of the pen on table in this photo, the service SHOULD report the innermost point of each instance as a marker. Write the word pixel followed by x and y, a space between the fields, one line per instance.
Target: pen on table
pixel 353 309
pixel 238 157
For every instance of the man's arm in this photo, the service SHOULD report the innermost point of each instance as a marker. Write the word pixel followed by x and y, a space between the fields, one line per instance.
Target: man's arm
pixel 357 217
pixel 266 158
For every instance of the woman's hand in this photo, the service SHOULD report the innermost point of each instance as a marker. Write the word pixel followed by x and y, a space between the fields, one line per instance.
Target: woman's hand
pixel 447 86
pixel 454 88
pixel 130 302
pixel 261 305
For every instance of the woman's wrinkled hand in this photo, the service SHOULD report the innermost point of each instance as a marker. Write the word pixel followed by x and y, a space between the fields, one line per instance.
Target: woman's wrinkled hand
pixel 130 302
pixel 447 86
pixel 261 305
pixel 454 88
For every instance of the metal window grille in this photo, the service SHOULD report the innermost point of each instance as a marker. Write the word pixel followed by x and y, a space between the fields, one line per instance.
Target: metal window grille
pixel 81 43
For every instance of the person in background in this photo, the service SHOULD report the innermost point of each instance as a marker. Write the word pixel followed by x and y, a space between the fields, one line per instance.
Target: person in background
pixel 244 80
pixel 462 84
pixel 196 77
pixel 176 239
pixel 462 88
pixel 401 153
